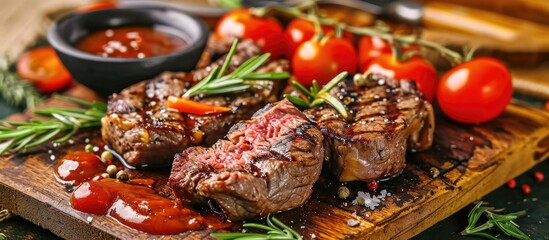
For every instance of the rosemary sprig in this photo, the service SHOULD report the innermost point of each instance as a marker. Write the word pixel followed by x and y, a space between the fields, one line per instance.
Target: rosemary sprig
pixel 242 78
pixel 317 96
pixel 18 136
pixel 275 230
pixel 14 90
pixel 504 222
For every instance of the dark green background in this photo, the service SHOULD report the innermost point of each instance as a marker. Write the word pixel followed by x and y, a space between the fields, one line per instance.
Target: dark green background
pixel 535 223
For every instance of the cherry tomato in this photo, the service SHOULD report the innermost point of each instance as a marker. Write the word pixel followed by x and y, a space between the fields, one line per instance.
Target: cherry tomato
pixel 416 68
pixel 266 32
pixel 301 30
pixel 476 91
pixel 42 67
pixel 323 60
pixel 96 6
pixel 371 47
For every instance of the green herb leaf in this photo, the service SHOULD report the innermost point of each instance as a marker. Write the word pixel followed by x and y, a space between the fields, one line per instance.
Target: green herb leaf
pixel 19 136
pixel 275 230
pixel 15 90
pixel 217 82
pixel 317 96
pixel 503 222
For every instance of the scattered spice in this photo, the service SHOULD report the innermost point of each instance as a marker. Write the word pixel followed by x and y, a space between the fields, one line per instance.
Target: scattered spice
pixel 370 201
pixel 122 175
pixel 373 185
pixel 434 172
pixel 539 176
pixel 526 189
pixel 106 155
pixel 343 192
pixel 88 148
pixel 352 223
pixel 112 170
pixel 512 183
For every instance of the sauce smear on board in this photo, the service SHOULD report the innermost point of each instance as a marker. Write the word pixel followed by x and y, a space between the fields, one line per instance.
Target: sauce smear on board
pixel 78 167
pixel 131 42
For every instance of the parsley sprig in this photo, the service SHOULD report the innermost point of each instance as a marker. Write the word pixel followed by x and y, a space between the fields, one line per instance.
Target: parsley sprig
pixel 503 222
pixel 242 78
pixel 317 96
pixel 275 230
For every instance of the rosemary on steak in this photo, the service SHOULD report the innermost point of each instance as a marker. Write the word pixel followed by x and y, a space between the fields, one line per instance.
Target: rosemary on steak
pixel 275 230
pixel 64 120
pixel 317 96
pixel 14 90
pixel 503 222
pixel 242 78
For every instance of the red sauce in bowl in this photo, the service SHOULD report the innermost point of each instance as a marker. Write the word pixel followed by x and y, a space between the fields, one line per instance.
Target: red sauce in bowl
pixel 132 42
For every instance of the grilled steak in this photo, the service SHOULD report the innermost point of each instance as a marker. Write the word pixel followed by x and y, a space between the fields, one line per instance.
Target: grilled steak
pixel 386 117
pixel 138 126
pixel 266 164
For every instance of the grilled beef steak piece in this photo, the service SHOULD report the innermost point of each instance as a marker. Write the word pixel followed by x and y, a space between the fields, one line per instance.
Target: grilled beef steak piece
pixel 266 164
pixel 139 127
pixel 386 117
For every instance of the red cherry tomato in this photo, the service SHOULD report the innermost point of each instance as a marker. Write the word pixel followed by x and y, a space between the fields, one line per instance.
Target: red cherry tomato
pixel 323 60
pixel 371 47
pixel 476 91
pixel 266 32
pixel 301 30
pixel 42 67
pixel 416 68
pixel 96 6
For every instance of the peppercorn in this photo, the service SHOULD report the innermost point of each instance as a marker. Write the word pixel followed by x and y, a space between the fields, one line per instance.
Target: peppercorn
pixel 434 172
pixel 106 155
pixel 105 175
pixel 360 200
pixel 526 189
pixel 88 148
pixel 512 183
pixel 122 175
pixel 373 185
pixel 539 176
pixel 112 170
pixel 343 192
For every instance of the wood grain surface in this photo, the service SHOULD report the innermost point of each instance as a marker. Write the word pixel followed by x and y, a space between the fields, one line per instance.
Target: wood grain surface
pixel 472 160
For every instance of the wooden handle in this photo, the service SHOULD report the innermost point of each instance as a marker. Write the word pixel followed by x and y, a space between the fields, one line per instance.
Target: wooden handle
pixel 485 24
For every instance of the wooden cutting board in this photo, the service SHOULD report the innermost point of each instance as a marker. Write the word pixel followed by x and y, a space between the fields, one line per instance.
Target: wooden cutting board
pixel 472 161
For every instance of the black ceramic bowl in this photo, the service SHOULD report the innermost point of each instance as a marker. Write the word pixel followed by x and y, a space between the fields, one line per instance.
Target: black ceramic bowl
pixel 106 75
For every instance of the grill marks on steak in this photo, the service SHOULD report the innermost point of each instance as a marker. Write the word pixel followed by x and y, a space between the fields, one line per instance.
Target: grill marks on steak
pixel 387 116
pixel 138 126
pixel 264 165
